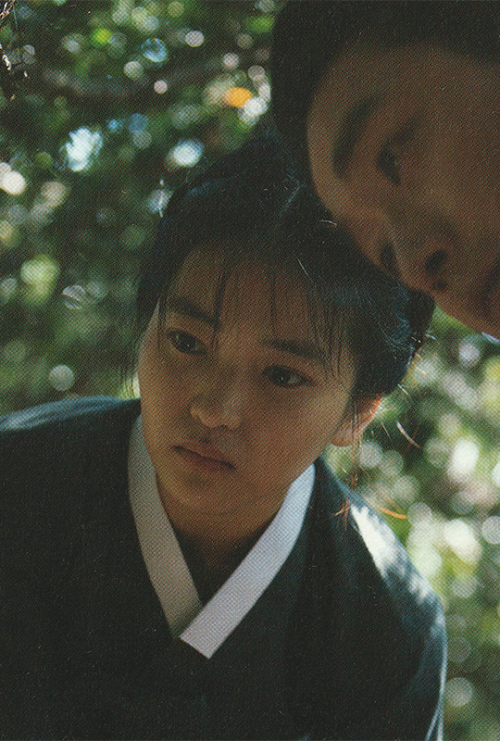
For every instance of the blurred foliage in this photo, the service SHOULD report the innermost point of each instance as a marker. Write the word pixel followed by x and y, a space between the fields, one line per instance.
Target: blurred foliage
pixel 430 463
pixel 122 100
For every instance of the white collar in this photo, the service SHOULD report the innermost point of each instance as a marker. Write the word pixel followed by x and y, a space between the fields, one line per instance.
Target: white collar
pixel 206 628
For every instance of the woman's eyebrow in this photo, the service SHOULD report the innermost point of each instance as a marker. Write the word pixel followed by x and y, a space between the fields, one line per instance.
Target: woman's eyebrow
pixel 302 348
pixel 186 307
pixel 350 129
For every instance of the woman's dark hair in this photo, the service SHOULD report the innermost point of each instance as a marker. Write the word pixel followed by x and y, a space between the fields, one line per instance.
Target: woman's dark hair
pixel 252 206
pixel 310 34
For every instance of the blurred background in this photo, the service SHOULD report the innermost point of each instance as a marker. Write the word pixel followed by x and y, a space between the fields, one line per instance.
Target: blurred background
pixel 122 101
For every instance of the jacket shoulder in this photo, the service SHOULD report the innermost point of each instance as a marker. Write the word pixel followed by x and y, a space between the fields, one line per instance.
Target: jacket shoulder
pixel 43 448
pixel 386 648
pixel 60 464
pixel 81 410
pixel 361 531
pixel 377 589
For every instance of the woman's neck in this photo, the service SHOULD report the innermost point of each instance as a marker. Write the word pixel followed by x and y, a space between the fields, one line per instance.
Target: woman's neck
pixel 210 567
pixel 219 540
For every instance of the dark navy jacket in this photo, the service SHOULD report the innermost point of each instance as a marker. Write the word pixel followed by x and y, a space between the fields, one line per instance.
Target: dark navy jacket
pixel 348 642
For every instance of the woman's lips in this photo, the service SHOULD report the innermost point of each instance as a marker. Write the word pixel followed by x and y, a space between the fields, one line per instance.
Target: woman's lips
pixel 203 457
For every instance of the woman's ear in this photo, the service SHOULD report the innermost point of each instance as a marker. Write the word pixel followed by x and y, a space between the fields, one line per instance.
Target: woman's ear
pixel 356 420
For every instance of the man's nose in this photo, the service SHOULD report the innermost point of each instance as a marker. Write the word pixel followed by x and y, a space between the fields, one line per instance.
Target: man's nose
pixel 426 265
pixel 219 402
pixel 372 236
pixel 422 261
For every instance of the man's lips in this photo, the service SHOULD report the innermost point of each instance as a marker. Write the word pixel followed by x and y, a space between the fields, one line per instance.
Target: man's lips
pixel 490 293
pixel 203 456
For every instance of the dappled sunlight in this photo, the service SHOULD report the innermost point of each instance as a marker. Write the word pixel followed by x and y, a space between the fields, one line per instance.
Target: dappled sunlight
pixel 186 153
pixel 386 558
pixel 443 475
pixel 84 145
pixel 122 99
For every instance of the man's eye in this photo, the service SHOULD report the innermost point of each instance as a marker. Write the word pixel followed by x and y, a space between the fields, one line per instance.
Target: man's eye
pixel 186 343
pixel 388 163
pixel 388 261
pixel 284 377
pixel 390 157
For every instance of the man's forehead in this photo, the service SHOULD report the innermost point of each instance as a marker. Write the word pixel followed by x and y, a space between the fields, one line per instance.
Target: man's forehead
pixel 364 76
pixel 366 65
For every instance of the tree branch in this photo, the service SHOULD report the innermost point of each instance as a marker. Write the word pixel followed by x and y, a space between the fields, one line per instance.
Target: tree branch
pixel 6 7
pixel 52 82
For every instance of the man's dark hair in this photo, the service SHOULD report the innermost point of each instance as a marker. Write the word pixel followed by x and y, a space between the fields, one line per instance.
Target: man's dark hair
pixel 310 34
pixel 252 207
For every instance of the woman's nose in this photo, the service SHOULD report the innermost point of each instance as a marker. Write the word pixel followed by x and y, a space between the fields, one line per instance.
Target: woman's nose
pixel 219 403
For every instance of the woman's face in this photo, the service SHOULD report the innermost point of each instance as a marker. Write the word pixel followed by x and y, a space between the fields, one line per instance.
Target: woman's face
pixel 234 409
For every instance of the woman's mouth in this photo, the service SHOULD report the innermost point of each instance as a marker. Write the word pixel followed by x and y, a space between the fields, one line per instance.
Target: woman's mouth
pixel 203 457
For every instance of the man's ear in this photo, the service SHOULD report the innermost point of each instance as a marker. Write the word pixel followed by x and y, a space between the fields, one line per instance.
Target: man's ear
pixel 356 421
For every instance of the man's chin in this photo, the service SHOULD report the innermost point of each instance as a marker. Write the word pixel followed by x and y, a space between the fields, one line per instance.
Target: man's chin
pixel 492 332
pixel 481 319
pixel 488 325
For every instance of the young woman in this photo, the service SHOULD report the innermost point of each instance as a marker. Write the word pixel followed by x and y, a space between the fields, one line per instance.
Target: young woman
pixel 185 566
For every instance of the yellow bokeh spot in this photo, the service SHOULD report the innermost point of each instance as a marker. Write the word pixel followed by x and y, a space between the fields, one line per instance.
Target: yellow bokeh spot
pixel 7 231
pixel 175 9
pixel 492 370
pixel 101 36
pixel 236 97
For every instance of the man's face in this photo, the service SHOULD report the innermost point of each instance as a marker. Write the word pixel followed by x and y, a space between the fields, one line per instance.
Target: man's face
pixel 404 147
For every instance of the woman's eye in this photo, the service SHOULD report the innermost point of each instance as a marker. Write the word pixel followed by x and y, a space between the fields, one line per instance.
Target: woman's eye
pixel 186 343
pixel 284 377
pixel 388 163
